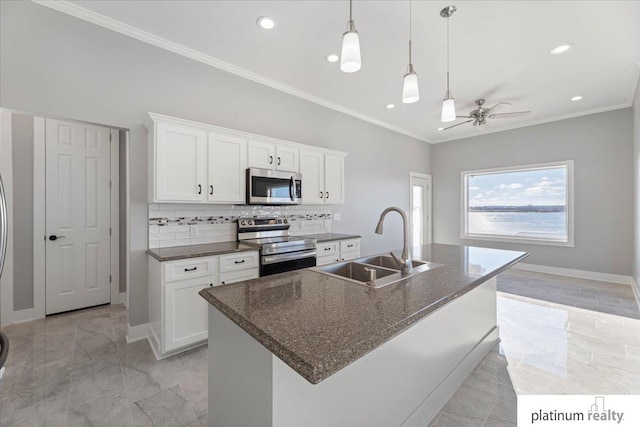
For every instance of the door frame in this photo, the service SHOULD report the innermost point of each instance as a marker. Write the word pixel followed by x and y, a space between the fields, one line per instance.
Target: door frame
pixel 429 210
pixel 39 216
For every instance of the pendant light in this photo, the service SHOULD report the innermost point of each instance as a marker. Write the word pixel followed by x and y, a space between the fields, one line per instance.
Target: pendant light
pixel 448 104
pixel 350 56
pixel 410 92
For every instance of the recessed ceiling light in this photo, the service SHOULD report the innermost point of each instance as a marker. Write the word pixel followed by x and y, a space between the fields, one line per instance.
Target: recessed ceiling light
pixel 576 98
pixel 332 58
pixel 266 22
pixel 439 129
pixel 561 49
pixel 389 106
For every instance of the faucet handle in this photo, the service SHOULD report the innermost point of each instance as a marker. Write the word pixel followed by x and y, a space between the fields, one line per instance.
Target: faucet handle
pixel 372 275
pixel 400 261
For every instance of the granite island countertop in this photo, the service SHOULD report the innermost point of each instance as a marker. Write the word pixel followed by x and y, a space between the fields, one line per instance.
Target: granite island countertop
pixel 318 324
pixel 194 251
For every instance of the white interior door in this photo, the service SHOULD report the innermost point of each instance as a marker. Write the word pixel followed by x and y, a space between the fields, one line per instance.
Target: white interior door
pixel 420 209
pixel 77 216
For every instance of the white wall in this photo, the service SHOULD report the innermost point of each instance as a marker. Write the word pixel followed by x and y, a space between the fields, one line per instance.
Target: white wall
pixel 53 64
pixel 636 187
pixel 601 147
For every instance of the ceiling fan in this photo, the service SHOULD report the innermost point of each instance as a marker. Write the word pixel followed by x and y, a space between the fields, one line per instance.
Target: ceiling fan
pixel 480 115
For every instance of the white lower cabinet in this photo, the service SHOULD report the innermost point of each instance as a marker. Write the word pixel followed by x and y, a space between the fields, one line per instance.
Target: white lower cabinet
pixel 178 315
pixel 337 250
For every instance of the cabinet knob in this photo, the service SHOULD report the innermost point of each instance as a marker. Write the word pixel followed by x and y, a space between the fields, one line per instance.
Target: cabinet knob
pixel 211 285
pixel 222 283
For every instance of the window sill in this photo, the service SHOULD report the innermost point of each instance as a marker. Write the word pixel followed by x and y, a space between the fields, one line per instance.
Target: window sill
pixel 520 240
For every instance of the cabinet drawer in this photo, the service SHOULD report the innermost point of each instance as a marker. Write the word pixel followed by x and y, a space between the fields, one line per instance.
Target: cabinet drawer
pixel 346 256
pixel 190 268
pixel 239 276
pixel 328 249
pixel 350 245
pixel 238 261
pixel 324 260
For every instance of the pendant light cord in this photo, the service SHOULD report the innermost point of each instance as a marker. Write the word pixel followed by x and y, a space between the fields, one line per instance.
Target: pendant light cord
pixel 409 31
pixel 447 54
pixel 350 10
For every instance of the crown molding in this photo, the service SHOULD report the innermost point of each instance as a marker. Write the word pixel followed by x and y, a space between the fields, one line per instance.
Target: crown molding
pixel 536 122
pixel 144 36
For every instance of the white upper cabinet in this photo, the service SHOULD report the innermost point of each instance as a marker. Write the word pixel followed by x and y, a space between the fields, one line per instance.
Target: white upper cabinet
pixel 333 179
pixel 287 158
pixel 275 156
pixel 199 163
pixel 322 178
pixel 180 163
pixel 227 166
pixel 312 170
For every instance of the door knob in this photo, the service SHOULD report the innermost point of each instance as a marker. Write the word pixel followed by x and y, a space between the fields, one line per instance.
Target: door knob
pixel 54 237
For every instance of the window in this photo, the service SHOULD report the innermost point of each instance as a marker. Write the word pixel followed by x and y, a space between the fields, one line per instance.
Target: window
pixel 527 204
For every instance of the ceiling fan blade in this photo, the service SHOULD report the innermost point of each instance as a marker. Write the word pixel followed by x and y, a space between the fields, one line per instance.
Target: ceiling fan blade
pixel 458 124
pixel 464 117
pixel 499 103
pixel 507 115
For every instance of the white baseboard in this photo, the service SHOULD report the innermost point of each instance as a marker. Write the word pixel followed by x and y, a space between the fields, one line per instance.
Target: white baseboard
pixel 579 274
pixel 26 315
pixel 137 333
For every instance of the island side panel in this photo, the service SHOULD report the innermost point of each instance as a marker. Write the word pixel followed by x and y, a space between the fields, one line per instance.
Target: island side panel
pixel 240 376
pixel 413 373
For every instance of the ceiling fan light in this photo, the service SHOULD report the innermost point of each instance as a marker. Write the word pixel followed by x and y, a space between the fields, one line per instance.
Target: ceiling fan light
pixel 448 110
pixel 350 61
pixel 410 90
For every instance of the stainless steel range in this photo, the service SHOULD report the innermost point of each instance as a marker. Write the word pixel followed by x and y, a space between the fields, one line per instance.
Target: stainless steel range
pixel 279 252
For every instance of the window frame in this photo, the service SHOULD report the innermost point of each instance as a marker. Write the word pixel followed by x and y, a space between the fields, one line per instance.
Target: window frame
pixel 569 199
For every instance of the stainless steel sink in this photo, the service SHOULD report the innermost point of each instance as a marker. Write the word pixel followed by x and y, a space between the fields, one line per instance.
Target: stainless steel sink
pixel 385 268
pixel 356 271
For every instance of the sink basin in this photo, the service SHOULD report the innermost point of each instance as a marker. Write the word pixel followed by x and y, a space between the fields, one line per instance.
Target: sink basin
pixel 388 262
pixel 355 271
pixel 387 272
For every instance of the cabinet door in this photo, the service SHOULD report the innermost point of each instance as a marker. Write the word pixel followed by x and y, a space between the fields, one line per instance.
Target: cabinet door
pixel 181 163
pixel 333 179
pixel 287 158
pixel 227 169
pixel 185 313
pixel 262 154
pixel 312 170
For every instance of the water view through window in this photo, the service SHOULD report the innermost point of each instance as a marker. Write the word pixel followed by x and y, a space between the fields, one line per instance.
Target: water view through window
pixel 522 204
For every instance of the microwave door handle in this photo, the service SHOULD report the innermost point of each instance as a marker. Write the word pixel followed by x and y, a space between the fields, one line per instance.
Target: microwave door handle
pixel 291 183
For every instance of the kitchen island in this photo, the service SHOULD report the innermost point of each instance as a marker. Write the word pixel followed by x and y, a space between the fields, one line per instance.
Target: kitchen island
pixel 307 349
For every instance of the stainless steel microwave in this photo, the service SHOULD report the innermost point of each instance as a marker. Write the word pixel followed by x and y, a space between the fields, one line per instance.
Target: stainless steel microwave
pixel 268 187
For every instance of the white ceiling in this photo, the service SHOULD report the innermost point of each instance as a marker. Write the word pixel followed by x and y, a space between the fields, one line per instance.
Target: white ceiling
pixel 499 51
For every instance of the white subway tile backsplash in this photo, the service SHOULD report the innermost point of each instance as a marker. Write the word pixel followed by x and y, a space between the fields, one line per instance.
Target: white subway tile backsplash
pixel 170 223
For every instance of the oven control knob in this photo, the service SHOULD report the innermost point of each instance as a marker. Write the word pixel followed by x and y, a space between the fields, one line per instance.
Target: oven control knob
pixel 250 222
pixel 279 221
pixel 286 221
pixel 242 222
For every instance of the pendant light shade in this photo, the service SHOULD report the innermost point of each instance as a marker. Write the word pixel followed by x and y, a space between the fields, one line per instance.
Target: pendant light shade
pixel 448 110
pixel 448 104
pixel 350 61
pixel 410 91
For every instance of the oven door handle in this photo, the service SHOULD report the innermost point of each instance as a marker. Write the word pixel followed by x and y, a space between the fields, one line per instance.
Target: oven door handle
pixel 272 259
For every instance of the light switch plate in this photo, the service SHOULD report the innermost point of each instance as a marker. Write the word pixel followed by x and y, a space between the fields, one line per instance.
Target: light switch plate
pixel 337 216
pixel 194 230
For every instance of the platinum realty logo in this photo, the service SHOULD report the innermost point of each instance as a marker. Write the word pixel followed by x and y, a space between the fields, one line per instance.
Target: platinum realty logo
pixel 569 410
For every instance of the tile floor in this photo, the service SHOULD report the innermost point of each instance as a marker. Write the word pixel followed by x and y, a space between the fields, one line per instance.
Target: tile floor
pixel 76 369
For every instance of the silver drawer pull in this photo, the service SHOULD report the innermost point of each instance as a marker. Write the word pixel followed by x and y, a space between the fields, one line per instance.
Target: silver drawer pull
pixel 191 269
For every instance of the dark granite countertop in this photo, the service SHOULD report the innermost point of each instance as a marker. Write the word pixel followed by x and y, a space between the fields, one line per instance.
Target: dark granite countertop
pixel 194 251
pixel 318 324
pixel 329 237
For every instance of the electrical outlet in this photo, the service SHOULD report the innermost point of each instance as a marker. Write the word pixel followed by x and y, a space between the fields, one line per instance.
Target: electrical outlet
pixel 301 225
pixel 194 230
pixel 337 216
